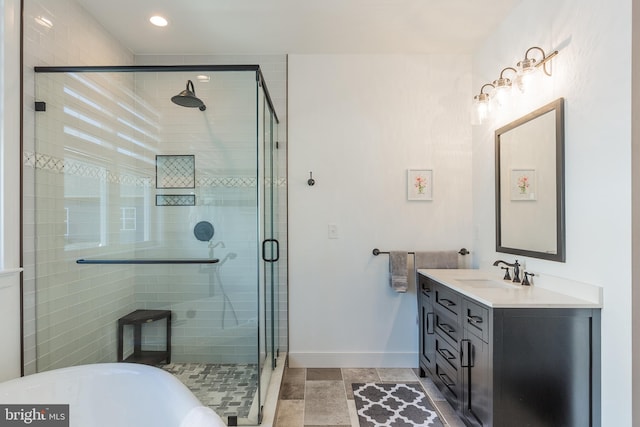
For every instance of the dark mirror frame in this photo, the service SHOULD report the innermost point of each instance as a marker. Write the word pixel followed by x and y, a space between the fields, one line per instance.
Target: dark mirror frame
pixel 558 107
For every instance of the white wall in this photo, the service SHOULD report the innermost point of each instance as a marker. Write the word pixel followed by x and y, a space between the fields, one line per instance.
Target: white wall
pixel 636 208
pixel 359 122
pixel 593 73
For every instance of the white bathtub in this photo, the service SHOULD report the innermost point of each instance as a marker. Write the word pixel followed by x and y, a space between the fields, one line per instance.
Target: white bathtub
pixel 113 395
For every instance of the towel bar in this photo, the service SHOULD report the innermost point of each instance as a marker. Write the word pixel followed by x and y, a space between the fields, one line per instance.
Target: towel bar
pixel 377 252
pixel 148 261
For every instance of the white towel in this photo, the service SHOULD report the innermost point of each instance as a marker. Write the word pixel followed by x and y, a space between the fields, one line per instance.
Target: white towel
pixel 436 259
pixel 398 271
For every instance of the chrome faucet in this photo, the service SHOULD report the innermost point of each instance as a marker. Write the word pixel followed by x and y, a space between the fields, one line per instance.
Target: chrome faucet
pixel 516 269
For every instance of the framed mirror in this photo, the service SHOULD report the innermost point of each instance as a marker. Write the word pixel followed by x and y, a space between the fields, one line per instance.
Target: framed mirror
pixel 530 185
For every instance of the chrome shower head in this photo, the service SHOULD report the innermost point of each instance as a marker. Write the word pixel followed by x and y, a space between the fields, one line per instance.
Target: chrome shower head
pixel 188 98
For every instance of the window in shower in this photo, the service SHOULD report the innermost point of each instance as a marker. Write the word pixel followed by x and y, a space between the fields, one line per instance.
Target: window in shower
pixel 128 219
pixel 85 204
pixel 134 198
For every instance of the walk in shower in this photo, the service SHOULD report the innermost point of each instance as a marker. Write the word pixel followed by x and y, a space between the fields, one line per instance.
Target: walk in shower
pixel 150 213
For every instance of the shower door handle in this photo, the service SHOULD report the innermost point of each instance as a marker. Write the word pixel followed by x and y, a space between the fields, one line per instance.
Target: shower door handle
pixel 264 250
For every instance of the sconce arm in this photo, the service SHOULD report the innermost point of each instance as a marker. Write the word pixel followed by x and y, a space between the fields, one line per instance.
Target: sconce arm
pixel 545 58
pixel 505 69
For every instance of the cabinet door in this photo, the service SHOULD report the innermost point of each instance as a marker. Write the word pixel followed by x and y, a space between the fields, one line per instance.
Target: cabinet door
pixel 547 363
pixel 427 336
pixel 476 381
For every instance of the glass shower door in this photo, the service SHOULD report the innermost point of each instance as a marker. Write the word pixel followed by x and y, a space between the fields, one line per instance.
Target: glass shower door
pixel 270 245
pixel 272 255
pixel 120 172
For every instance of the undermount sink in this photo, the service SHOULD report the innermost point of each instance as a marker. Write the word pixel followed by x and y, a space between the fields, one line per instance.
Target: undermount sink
pixel 488 283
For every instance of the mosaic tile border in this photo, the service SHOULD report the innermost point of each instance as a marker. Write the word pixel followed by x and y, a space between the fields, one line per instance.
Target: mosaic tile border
pixel 227 182
pixel 78 168
pixel 57 165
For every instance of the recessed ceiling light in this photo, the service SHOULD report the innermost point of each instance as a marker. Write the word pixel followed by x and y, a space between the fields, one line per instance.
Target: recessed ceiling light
pixel 158 21
pixel 203 78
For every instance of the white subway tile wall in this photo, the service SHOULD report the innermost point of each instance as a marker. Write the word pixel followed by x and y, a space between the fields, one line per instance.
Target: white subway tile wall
pixel 74 39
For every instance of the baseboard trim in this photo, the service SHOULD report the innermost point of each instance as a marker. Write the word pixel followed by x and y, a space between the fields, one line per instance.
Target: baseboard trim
pixel 353 360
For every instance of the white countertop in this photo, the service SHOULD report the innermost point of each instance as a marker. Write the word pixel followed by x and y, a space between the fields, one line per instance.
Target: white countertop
pixel 484 287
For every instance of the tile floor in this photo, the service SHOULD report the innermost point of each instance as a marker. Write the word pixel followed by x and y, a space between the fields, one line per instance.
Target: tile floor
pixel 228 389
pixel 323 397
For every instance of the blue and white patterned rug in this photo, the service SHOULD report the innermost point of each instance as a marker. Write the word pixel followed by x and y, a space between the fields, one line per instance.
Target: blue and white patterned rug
pixel 393 405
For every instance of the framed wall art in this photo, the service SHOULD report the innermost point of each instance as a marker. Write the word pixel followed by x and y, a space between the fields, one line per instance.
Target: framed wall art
pixel 420 184
pixel 523 184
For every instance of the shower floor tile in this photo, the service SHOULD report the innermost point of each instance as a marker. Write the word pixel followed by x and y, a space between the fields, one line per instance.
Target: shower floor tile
pixel 228 389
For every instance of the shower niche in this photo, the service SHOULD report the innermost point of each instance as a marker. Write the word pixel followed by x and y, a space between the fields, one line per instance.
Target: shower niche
pixel 128 188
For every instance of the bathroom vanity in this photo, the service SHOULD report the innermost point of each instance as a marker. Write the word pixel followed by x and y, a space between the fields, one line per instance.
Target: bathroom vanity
pixel 504 354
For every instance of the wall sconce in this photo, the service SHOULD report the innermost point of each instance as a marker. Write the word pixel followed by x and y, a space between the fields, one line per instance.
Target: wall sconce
pixel 522 76
pixel 529 67
pixel 481 105
pixel 527 63
pixel 503 86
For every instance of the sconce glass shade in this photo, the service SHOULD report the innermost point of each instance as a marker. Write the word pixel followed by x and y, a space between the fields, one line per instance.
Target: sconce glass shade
pixel 502 87
pixel 529 69
pixel 526 72
pixel 481 108
pixel 481 105
pixel 502 90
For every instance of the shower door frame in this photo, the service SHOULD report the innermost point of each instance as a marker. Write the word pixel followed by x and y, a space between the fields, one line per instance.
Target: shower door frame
pixel 265 233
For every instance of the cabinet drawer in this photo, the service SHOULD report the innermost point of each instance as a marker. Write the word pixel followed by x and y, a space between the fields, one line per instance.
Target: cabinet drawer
pixel 449 300
pixel 446 326
pixel 426 287
pixel 447 353
pixel 447 382
pixel 476 319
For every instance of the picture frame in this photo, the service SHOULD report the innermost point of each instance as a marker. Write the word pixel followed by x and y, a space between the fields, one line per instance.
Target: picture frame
pixel 420 184
pixel 523 185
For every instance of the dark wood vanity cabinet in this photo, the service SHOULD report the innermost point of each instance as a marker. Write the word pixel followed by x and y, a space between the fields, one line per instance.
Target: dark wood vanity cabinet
pixel 425 312
pixel 502 367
